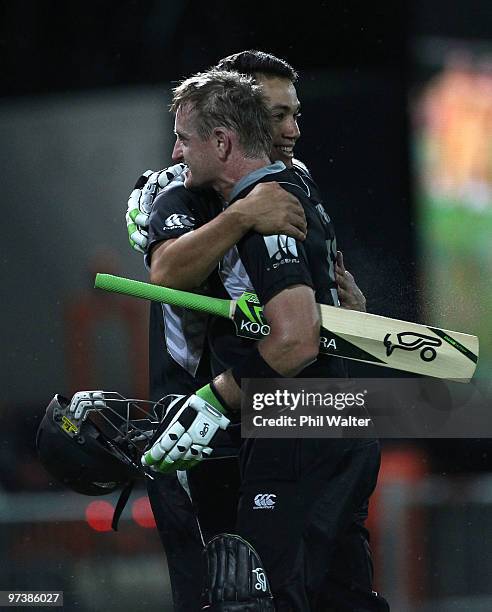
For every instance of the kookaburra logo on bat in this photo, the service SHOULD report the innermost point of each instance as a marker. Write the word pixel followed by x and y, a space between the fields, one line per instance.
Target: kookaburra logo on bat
pixel 411 341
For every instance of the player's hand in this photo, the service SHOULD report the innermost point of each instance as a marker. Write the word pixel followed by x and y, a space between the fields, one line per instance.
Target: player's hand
pixel 141 199
pixel 185 436
pixel 351 297
pixel 273 210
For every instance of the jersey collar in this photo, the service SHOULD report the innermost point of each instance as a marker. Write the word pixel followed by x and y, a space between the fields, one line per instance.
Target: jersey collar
pixel 254 177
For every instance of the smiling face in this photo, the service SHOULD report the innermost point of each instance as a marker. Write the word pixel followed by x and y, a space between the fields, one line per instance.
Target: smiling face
pixel 190 148
pixel 277 131
pixel 284 105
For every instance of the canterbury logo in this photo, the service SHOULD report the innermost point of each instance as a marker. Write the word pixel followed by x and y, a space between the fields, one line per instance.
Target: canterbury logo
pixel 280 247
pixel 410 341
pixel 264 501
pixel 179 221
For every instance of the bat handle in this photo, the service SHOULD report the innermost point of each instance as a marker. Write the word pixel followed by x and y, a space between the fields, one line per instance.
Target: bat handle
pixel 173 297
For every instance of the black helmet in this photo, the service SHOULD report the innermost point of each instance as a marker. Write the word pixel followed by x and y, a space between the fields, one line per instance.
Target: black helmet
pixel 90 447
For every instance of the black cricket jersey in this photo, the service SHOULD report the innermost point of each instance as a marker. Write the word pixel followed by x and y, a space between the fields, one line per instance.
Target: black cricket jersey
pixel 178 356
pixel 267 265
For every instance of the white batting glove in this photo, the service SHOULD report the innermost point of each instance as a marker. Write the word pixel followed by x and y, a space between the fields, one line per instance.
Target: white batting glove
pixel 141 199
pixel 185 435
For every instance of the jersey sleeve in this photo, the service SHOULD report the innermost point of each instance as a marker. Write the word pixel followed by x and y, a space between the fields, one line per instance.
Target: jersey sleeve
pixel 274 263
pixel 300 166
pixel 172 216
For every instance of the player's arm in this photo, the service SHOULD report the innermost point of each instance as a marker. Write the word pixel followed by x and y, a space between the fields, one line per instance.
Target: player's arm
pixel 292 345
pixel 186 434
pixel 268 212
pixel 184 263
pixel 294 322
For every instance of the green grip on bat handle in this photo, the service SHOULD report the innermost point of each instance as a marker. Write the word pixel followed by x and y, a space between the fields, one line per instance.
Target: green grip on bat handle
pixel 173 297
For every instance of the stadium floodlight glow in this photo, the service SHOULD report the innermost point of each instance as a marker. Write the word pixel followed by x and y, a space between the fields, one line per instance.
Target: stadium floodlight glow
pixel 99 515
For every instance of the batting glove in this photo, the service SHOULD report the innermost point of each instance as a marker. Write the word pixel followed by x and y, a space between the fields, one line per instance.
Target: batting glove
pixel 141 199
pixel 186 434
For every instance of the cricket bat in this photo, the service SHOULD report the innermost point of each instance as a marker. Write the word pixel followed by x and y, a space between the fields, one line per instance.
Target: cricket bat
pixel 382 341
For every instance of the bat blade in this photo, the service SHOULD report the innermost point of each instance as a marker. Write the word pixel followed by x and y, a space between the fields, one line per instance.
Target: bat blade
pixel 402 345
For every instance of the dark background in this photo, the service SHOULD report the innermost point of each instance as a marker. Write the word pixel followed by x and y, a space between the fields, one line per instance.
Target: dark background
pixel 357 64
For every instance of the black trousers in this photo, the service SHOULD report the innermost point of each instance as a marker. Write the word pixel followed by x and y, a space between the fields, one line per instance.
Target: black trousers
pixel 185 526
pixel 300 503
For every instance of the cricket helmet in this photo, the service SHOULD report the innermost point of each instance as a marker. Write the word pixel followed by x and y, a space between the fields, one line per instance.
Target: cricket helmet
pixel 89 445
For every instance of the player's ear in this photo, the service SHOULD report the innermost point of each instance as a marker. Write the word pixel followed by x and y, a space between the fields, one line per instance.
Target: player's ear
pixel 222 139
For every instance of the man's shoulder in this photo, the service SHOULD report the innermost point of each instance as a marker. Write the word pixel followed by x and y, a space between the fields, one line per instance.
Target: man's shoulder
pixel 297 182
pixel 194 199
pixel 298 172
pixel 177 191
pixel 300 166
pixel 305 175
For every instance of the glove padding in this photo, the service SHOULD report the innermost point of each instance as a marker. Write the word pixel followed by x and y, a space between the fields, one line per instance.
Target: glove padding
pixel 82 401
pixel 185 435
pixel 234 577
pixel 141 199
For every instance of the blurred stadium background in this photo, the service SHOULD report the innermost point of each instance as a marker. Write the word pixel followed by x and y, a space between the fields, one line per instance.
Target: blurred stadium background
pixel 397 130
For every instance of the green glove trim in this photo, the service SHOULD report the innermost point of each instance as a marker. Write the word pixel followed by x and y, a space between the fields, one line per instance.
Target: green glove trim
pixel 181 464
pixel 206 393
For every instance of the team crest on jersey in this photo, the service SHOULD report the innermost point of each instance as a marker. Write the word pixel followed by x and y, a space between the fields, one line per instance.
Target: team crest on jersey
pixel 282 249
pixel 176 221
